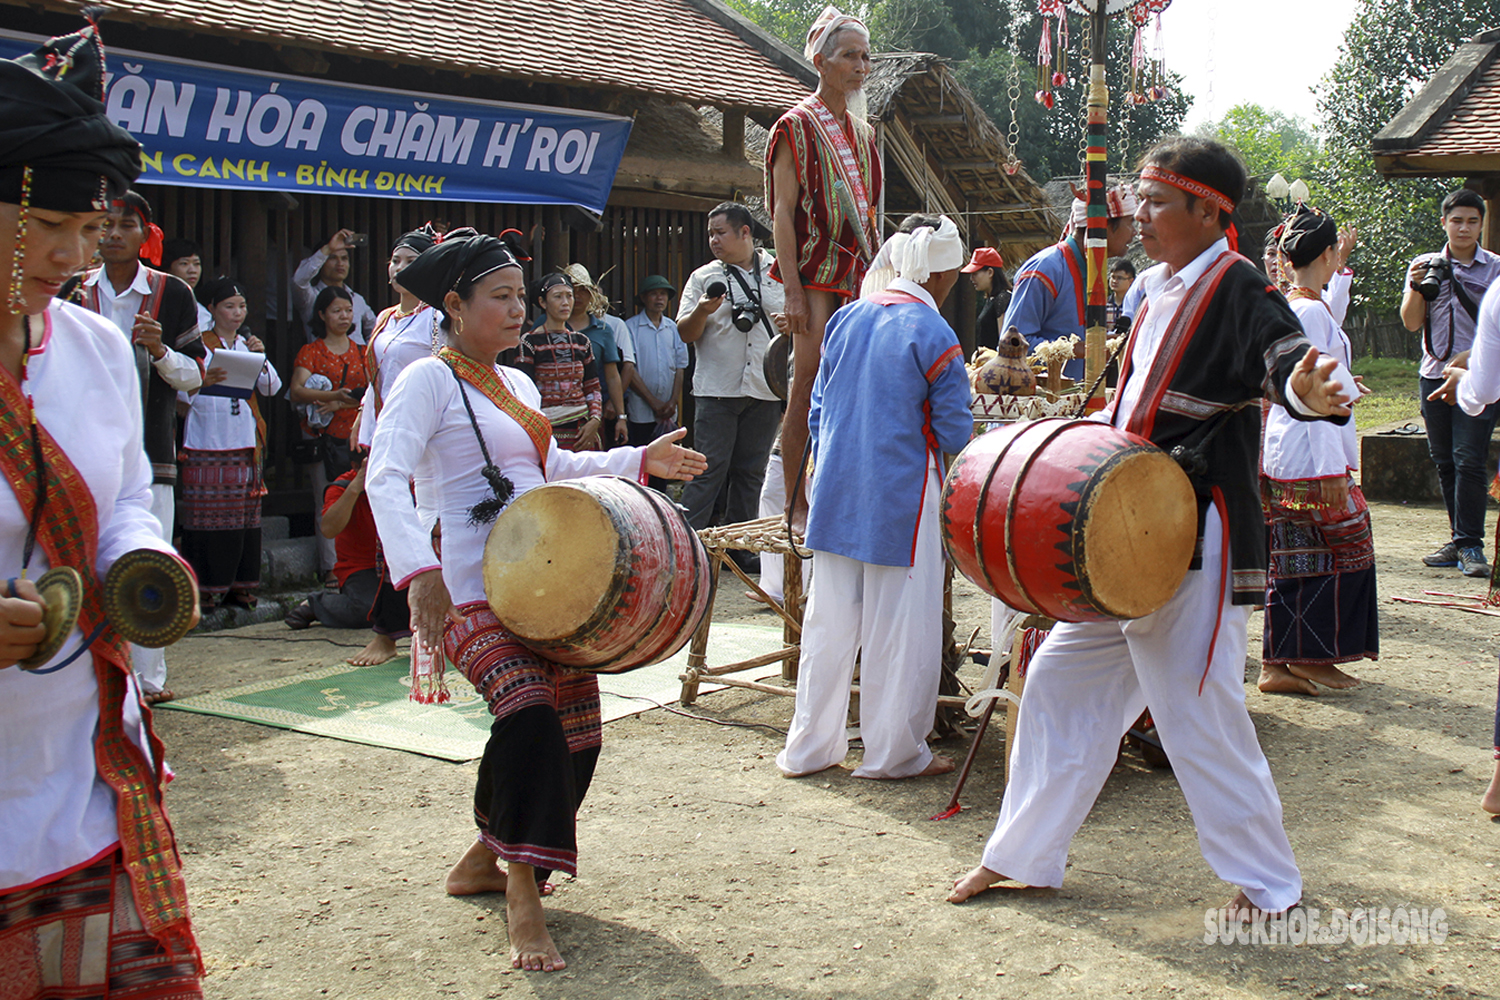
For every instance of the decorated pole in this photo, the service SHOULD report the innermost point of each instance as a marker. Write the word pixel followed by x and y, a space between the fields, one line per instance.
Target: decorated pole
pixel 1096 241
pixel 1147 84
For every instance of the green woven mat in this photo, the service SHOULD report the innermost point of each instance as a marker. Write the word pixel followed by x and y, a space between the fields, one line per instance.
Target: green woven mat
pixel 370 705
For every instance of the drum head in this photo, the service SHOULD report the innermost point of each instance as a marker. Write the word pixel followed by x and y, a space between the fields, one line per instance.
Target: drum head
pixel 1139 532
pixel 62 593
pixel 549 562
pixel 149 598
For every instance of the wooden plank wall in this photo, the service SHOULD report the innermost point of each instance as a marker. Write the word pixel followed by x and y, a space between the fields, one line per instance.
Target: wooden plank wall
pixel 259 238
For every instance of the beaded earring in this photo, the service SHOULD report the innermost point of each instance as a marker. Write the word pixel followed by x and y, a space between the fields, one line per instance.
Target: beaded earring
pixel 18 257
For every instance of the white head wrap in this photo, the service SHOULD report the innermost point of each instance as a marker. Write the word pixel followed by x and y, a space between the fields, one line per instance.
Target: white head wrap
pixel 825 25
pixel 916 256
pixel 1119 202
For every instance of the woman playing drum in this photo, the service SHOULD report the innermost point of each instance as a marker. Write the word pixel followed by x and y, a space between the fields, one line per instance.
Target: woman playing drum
pixel 470 433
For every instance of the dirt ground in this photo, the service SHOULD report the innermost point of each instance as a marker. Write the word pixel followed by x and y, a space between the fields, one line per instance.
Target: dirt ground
pixel 315 867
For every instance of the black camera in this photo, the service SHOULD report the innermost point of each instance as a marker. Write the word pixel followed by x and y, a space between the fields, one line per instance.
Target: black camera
pixel 745 316
pixel 1439 270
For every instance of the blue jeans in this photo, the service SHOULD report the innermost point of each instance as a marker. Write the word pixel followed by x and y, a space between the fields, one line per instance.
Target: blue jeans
pixel 1460 448
pixel 735 433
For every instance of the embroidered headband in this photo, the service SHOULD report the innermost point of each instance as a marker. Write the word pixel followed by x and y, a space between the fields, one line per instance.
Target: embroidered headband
pixel 1151 172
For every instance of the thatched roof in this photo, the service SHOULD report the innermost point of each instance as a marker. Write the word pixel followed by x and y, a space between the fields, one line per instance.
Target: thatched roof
pixel 943 153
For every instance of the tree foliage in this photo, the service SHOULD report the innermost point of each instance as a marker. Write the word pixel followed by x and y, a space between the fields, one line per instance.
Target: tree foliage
pixel 984 39
pixel 1270 142
pixel 1390 50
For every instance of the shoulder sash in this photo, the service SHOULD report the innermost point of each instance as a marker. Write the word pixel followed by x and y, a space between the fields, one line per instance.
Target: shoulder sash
pixel 1179 333
pixel 69 535
pixel 489 382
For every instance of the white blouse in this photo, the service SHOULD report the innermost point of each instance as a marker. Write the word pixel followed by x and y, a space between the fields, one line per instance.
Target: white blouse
pixel 404 339
pixel 1313 449
pixel 424 435
pixel 55 812
pixel 219 423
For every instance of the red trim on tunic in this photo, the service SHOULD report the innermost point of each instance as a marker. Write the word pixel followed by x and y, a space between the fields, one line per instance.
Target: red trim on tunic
pixel 952 353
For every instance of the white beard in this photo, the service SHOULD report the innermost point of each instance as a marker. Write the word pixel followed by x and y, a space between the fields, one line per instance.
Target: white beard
pixel 858 104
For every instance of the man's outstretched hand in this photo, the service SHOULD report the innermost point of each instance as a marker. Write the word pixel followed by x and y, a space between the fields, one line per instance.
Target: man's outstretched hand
pixel 1313 382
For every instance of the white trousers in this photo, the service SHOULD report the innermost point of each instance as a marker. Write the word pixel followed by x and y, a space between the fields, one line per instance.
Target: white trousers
pixel 1086 685
pixel 895 615
pixel 151 664
pixel 773 502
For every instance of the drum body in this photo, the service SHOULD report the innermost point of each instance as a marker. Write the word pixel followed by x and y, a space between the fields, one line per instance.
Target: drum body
pixel 1072 519
pixel 599 574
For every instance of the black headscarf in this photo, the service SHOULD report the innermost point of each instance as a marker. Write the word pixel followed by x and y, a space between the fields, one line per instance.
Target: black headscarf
pixel 1306 233
pixel 460 259
pixel 216 290
pixel 52 119
pixel 421 240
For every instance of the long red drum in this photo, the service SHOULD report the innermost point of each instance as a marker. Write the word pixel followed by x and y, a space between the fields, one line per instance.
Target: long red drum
pixel 1072 519
pixel 600 574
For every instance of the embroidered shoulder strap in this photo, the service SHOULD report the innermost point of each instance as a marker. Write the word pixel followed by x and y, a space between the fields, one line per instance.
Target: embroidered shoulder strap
pixel 489 382
pixel 157 282
pixel 69 535
pixel 1179 333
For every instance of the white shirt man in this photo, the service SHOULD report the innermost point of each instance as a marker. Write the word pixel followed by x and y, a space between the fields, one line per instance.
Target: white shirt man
pixel 736 414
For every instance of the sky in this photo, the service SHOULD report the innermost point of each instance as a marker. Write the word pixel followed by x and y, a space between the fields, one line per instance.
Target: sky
pixel 1269 52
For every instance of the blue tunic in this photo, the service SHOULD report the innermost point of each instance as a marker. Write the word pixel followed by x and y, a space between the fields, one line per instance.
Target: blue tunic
pixel 890 389
pixel 1049 299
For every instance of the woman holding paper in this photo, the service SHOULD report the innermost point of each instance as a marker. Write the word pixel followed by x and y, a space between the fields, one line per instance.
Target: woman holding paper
pixel 223 436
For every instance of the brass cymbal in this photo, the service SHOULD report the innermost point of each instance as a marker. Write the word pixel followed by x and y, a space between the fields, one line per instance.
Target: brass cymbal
pixel 62 595
pixel 148 598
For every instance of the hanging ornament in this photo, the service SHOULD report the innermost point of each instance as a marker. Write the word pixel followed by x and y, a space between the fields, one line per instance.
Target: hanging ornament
pixel 1048 9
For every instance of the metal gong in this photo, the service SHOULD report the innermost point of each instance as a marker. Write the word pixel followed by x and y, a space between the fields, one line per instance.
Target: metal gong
pixel 62 597
pixel 148 598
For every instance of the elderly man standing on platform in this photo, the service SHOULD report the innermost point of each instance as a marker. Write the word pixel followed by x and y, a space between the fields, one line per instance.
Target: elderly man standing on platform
pixel 890 398
pixel 822 185
pixel 1215 338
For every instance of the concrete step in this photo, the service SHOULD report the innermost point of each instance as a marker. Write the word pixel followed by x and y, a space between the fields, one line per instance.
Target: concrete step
pixel 289 563
pixel 275 529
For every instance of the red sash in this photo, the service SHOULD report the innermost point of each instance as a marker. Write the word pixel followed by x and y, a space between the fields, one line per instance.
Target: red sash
pixel 489 382
pixel 1174 343
pixel 69 535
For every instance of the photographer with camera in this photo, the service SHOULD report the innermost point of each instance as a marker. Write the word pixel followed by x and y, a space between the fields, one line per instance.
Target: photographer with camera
pixel 726 313
pixel 1442 300
pixel 328 267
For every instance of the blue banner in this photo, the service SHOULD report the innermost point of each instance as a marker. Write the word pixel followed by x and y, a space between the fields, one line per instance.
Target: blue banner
pixel 211 126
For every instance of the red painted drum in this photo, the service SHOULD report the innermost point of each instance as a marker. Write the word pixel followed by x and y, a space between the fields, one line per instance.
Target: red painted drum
pixel 599 574
pixel 1072 519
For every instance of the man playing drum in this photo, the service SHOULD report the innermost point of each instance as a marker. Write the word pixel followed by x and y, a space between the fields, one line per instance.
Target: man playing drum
pixel 890 398
pixel 1213 338
pixel 822 185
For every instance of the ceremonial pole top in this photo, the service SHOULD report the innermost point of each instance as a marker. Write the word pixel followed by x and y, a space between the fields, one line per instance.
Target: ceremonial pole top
pixel 1139 9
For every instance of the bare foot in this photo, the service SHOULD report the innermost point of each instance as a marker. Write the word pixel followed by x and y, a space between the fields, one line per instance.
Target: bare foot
pixel 531 947
pixel 380 649
pixel 1240 909
pixel 480 871
pixel 1491 801
pixel 974 883
pixel 1275 678
pixel 1325 674
pixel 477 871
pixel 157 697
pixel 808 774
pixel 940 764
